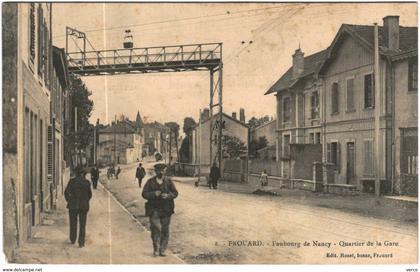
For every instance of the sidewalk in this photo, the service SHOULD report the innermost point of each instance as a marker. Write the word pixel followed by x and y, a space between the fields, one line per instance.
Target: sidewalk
pixel 397 209
pixel 112 237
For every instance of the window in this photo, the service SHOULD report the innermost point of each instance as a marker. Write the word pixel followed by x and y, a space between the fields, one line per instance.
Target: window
pixel 333 154
pixel 318 138
pixel 334 98
pixel 368 169
pixel 409 155
pixel 314 105
pixel 369 91
pixel 311 138
pixel 40 40
pixel 350 94
pixel 32 32
pixel 286 145
pixel 286 110
pixel 412 75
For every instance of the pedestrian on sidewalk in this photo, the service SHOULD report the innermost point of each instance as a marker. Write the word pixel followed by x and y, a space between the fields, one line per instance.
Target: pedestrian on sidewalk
pixel 94 175
pixel 214 176
pixel 160 193
pixel 264 178
pixel 140 174
pixel 77 195
pixel 118 172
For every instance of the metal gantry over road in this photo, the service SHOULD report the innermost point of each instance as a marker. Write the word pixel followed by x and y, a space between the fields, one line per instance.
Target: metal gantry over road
pixel 156 59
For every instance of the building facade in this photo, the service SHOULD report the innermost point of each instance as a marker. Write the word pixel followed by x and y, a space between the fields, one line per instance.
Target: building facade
pixel 119 143
pixel 201 137
pixel 344 121
pixel 298 105
pixel 269 132
pixel 27 91
pixel 156 138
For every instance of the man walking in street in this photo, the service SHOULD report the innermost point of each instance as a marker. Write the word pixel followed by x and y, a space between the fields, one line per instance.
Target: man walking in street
pixel 118 172
pixel 214 176
pixel 160 193
pixel 140 174
pixel 77 195
pixel 94 175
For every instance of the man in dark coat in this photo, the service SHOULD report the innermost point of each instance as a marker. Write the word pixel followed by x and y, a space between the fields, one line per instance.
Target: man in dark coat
pixel 118 172
pixel 78 194
pixel 94 175
pixel 160 193
pixel 140 174
pixel 214 176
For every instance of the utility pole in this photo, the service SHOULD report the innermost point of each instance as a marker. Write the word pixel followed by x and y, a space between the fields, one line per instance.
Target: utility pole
pixel 211 115
pixel 170 146
pixel 221 114
pixel 199 148
pixel 115 139
pixel 75 130
pixel 377 106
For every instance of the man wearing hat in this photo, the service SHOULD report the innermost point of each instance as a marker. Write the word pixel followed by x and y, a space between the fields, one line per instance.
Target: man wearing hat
pixel 140 174
pixel 160 193
pixel 77 195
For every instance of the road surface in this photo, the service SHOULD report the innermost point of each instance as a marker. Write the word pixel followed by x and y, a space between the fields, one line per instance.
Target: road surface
pixel 213 226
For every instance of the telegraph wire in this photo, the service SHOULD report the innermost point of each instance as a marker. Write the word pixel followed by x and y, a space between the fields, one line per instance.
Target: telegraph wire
pixel 228 13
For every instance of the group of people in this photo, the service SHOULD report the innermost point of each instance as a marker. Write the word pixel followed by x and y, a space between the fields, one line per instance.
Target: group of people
pixel 159 191
pixel 111 172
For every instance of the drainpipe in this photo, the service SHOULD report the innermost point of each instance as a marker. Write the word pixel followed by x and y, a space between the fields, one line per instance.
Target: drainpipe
pixel 392 73
pixel 377 111
pixel 324 129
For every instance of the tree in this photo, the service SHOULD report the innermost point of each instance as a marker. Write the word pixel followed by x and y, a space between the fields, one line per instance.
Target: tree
pixel 256 122
pixel 174 128
pixel 185 152
pixel 189 125
pixel 233 147
pixel 256 145
pixel 82 106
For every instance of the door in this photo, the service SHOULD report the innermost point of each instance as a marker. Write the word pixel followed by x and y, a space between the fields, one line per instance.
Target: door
pixel 350 163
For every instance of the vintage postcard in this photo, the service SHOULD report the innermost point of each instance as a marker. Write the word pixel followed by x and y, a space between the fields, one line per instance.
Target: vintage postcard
pixel 210 133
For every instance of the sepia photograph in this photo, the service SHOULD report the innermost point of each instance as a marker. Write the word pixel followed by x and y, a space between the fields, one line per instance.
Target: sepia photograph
pixel 222 133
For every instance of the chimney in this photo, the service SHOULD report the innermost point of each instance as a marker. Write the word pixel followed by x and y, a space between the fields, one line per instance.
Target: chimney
pixel 298 63
pixel 391 31
pixel 234 115
pixel 205 114
pixel 242 115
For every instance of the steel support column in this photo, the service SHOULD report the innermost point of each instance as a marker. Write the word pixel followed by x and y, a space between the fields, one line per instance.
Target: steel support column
pixel 211 116
pixel 220 88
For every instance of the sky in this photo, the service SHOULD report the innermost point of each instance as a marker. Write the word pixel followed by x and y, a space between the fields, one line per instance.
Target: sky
pixel 275 29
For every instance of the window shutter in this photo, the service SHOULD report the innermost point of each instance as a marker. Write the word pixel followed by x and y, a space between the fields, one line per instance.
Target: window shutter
pixel 337 98
pixel 334 98
pixel 328 152
pixel 40 40
pixel 350 94
pixel 46 54
pixel 50 154
pixel 338 165
pixel 373 93
pixel 32 32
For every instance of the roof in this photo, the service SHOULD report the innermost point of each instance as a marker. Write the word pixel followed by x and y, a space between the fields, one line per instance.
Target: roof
pixel 364 34
pixel 312 63
pixel 265 124
pixel 408 36
pixel 119 127
pixel 225 115
pixel 60 66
